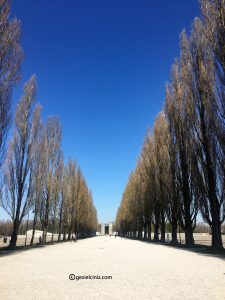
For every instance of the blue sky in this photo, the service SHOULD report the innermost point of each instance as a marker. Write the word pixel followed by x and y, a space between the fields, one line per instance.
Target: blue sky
pixel 101 67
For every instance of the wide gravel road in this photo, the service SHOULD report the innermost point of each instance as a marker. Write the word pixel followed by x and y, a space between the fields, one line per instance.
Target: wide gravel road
pixel 139 270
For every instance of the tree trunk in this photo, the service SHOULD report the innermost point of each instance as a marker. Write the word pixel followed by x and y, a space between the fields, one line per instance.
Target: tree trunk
pixel 174 231
pixel 33 231
pixel 163 227
pixel 60 228
pixel 43 235
pixel 59 235
pixel 156 226
pixel 212 186
pixel 139 234
pixel 69 234
pixel 46 219
pixel 149 231
pixel 145 231
pixel 189 239
pixel 64 233
pixel 186 194
pixel 216 230
pixel 17 221
pixel 15 230
pixel 156 232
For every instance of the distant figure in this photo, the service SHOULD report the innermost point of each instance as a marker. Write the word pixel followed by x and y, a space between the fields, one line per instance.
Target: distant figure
pixel 115 236
pixel 5 239
pixel 40 239
pixel 74 238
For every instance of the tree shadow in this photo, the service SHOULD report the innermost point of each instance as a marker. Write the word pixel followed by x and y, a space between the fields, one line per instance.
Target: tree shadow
pixel 197 248
pixel 6 251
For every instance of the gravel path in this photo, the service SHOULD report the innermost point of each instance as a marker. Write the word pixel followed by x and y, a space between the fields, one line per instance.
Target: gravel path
pixel 139 271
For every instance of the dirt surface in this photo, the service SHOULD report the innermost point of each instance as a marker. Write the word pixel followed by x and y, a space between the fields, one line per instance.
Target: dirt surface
pixel 139 270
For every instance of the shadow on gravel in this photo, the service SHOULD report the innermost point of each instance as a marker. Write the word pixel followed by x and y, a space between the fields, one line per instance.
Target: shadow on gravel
pixel 6 251
pixel 199 249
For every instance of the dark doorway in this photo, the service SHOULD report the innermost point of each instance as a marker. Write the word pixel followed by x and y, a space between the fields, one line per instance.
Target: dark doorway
pixel 106 229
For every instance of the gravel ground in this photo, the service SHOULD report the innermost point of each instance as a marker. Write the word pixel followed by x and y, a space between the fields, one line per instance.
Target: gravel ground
pixel 139 271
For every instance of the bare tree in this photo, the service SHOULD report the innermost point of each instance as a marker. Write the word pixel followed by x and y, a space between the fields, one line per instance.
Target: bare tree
pixel 51 160
pixel 77 213
pixel 213 18
pixel 62 201
pixel 37 170
pixel 150 197
pixel 172 182
pixel 153 190
pixel 176 107
pixel 10 60
pixel 17 170
pixel 70 197
pixel 55 203
pixel 198 74
pixel 161 139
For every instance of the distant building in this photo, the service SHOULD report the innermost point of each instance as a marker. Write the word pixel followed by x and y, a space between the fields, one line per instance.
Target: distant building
pixel 106 228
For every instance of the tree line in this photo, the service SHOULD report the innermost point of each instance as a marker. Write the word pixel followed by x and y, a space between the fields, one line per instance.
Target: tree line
pixel 180 171
pixel 34 176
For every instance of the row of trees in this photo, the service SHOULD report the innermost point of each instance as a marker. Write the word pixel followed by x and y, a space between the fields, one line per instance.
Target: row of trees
pixel 33 174
pixel 181 169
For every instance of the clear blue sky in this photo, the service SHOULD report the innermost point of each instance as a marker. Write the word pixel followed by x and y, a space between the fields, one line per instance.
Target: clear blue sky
pixel 102 66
